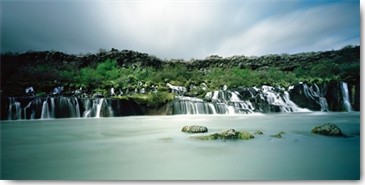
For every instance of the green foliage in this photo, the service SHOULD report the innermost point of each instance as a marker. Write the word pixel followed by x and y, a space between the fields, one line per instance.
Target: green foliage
pixel 153 99
pixel 130 71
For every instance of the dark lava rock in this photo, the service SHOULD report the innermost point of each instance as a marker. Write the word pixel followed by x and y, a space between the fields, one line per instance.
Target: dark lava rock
pixel 194 129
pixel 328 129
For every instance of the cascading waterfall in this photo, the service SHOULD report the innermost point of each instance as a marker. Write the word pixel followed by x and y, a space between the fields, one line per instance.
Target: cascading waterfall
pixel 68 107
pixel 52 108
pixel 45 111
pixel 187 105
pixel 264 99
pixel 32 111
pixel 15 111
pixel 241 100
pixel 222 102
pixel 345 96
pixel 314 93
pixel 98 107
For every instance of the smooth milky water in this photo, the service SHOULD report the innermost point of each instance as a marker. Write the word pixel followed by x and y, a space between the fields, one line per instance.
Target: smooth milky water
pixel 154 148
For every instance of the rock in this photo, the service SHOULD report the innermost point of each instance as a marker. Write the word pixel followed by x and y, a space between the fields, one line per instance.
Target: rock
pixel 278 135
pixel 230 134
pixel 328 129
pixel 194 129
pixel 214 136
pixel 259 132
pixel 245 135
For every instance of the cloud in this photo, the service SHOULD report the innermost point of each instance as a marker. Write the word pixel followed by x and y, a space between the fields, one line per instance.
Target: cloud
pixel 317 28
pixel 177 29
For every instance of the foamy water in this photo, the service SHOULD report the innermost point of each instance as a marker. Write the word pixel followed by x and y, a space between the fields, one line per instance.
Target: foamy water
pixel 154 148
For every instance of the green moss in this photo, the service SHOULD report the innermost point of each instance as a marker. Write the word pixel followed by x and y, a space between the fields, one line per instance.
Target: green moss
pixel 245 135
pixel 227 135
pixel 153 99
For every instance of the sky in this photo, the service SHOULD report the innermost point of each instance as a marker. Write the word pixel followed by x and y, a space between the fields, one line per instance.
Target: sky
pixel 180 29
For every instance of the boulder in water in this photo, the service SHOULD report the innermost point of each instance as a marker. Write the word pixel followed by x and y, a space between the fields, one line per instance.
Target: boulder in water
pixel 259 132
pixel 328 129
pixel 194 129
pixel 230 134
pixel 278 135
pixel 245 135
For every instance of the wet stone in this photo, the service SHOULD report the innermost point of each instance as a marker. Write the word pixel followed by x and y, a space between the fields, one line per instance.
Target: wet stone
pixel 328 129
pixel 194 129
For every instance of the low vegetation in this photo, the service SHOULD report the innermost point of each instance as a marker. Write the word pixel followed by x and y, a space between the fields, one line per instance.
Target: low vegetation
pixel 137 76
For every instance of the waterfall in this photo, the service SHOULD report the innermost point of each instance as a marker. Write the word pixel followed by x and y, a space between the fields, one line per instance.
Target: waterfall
pixel 291 106
pixel 70 107
pixel 45 111
pixel 188 105
pixel 52 108
pixel 15 111
pixel 314 94
pixel 67 107
pixel 32 111
pixel 98 107
pixel 345 96
pixel 77 108
pixel 223 102
pixel 242 101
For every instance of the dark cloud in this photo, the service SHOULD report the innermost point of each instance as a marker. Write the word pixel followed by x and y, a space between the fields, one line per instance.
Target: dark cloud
pixel 180 29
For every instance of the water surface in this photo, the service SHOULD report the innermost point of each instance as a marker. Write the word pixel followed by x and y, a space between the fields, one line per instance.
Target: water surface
pixel 154 148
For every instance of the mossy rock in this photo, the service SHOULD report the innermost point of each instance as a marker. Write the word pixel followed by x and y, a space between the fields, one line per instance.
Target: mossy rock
pixel 278 135
pixel 245 135
pixel 214 136
pixel 328 129
pixel 230 134
pixel 194 129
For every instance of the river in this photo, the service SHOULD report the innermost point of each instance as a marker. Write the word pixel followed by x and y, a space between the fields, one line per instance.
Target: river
pixel 154 148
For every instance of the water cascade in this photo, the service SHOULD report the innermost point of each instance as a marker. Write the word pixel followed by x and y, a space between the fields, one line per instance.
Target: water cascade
pixel 218 102
pixel 309 96
pixel 345 96
pixel 67 107
pixel 239 101
pixel 45 111
pixel 314 93
pixel 14 109
pixel 242 100
pixel 97 108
